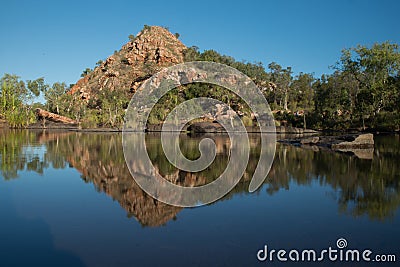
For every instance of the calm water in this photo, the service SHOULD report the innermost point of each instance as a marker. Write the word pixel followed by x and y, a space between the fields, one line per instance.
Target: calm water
pixel 67 199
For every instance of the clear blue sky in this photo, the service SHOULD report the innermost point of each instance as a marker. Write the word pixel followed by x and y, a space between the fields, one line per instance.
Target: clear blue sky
pixel 59 39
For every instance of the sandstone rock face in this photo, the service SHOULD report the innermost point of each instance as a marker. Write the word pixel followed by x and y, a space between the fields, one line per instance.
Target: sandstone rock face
pixel 43 114
pixel 151 50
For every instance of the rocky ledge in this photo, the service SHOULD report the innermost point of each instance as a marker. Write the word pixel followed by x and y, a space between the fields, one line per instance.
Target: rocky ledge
pixel 49 120
pixel 214 127
pixel 361 145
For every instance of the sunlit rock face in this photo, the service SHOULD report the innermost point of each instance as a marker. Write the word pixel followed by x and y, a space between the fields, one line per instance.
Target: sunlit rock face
pixel 151 50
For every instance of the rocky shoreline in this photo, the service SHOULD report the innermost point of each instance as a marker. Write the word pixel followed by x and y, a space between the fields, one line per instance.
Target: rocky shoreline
pixel 360 145
pixel 213 127
pixel 336 142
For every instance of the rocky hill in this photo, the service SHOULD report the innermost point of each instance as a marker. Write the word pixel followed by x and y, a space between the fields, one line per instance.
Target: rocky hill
pixel 149 51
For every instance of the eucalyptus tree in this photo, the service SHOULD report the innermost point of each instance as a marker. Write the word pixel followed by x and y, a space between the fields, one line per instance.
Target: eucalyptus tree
pixel 375 71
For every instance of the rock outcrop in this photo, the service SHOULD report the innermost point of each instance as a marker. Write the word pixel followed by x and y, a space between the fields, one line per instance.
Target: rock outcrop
pixel 152 49
pixel 215 127
pixel 356 142
pixel 46 115
pixel 360 145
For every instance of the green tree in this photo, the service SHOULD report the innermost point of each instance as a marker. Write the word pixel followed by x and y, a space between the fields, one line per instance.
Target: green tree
pixel 14 100
pixel 282 78
pixel 131 37
pixel 331 101
pixel 53 96
pixel 302 92
pixel 111 106
pixel 375 69
pixel 86 72
pixel 98 63
pixel 191 54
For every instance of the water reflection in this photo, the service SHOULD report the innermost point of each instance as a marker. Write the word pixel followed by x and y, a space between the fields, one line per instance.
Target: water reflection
pixel 360 186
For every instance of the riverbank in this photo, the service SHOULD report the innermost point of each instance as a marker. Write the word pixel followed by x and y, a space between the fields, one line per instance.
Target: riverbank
pixel 197 127
pixel 360 145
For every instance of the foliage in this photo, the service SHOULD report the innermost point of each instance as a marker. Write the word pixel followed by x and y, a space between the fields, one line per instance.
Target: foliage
pixel 375 69
pixel 365 84
pixel 53 96
pixel 87 71
pixel 16 96
pixel 362 92
pixel 131 37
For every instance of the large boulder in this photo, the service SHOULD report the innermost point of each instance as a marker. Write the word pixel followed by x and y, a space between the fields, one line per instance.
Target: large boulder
pixel 361 141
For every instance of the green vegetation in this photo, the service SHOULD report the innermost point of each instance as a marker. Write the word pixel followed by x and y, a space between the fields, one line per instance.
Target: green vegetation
pixel 17 99
pixel 131 37
pixel 362 93
pixel 86 72
pixel 108 110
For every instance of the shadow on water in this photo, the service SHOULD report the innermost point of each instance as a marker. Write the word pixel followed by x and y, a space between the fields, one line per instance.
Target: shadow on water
pixel 360 186
pixel 31 238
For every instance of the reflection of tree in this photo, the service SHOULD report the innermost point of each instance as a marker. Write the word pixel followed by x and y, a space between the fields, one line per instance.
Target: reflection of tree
pixel 370 187
pixel 18 153
pixel 190 149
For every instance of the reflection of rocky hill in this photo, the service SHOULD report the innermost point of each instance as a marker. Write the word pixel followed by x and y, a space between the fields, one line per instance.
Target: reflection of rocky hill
pixel 99 158
pixel 360 187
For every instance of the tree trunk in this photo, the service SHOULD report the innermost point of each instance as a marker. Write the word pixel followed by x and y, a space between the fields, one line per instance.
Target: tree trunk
pixel 285 101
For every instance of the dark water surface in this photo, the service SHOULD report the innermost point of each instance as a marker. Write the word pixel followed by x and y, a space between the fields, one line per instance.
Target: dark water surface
pixel 68 199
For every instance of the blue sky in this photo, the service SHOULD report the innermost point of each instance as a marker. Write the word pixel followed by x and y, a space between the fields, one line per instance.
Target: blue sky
pixel 59 39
